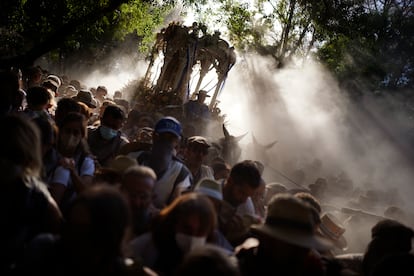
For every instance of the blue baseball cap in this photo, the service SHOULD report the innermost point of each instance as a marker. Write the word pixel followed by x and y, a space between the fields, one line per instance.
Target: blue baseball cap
pixel 168 124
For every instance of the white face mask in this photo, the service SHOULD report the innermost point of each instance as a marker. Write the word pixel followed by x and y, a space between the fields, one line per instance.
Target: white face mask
pixel 187 243
pixel 70 141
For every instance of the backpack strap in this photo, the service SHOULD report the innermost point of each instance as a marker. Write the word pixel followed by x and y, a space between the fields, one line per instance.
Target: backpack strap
pixel 180 178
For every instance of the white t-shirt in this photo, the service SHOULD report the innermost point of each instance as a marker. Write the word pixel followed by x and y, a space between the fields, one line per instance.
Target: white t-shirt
pixel 61 175
pixel 165 185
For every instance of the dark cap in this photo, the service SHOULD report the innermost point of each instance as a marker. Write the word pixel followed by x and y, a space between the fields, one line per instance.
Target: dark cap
pixel 168 124
pixel 198 140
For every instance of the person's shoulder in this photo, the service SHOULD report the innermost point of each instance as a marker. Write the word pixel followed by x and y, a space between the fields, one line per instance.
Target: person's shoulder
pixel 178 159
pixel 191 103
pixel 38 186
pixel 92 130
pixel 181 163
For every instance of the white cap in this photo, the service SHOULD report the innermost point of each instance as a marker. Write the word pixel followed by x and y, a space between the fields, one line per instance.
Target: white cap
pixel 210 188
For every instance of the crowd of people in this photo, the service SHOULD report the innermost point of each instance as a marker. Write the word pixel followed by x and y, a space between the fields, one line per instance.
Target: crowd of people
pixel 94 185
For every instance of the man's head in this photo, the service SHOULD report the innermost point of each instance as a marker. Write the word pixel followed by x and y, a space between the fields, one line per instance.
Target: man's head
pixel 167 131
pixel 196 150
pixel 34 75
pixel 101 92
pixel 38 98
pixel 202 95
pixel 64 106
pixel 111 122
pixel 138 186
pixel 117 94
pixel 243 181
pixel 113 117
pixel 221 170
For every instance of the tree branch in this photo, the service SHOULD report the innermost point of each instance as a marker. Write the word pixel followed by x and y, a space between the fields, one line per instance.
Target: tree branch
pixel 56 38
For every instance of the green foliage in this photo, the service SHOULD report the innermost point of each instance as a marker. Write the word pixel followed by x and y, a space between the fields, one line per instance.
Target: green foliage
pixel 276 28
pixel 35 28
pixel 143 18
pixel 367 40
pixel 239 24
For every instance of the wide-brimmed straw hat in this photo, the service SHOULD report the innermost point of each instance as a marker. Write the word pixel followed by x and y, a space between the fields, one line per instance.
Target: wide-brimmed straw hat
pixel 210 188
pixel 291 220
pixel 333 229
pixel 122 162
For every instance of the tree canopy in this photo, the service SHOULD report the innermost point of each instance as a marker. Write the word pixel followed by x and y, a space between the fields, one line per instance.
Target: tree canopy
pixel 31 29
pixel 365 40
pixel 361 40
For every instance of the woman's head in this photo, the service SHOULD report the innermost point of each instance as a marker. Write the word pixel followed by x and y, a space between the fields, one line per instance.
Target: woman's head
pixel 189 220
pixel 72 130
pixel 97 221
pixel 20 148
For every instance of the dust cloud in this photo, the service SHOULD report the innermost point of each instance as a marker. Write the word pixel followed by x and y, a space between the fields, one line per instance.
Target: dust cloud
pixel 317 131
pixel 321 132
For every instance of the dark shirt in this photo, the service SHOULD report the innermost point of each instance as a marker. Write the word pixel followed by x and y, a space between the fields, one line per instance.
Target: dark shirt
pixel 25 211
pixel 196 110
pixel 104 150
pixel 47 255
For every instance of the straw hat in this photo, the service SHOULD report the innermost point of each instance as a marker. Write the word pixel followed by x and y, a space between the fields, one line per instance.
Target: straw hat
pixel 291 220
pixel 331 228
pixel 85 96
pixel 122 162
pixel 210 188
